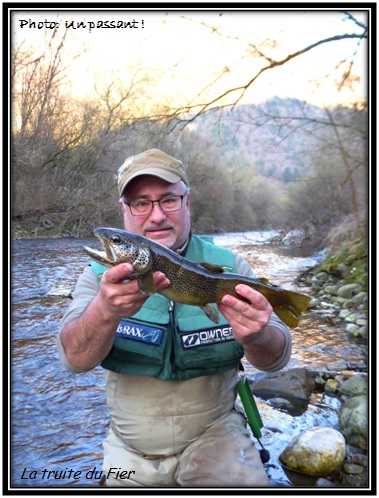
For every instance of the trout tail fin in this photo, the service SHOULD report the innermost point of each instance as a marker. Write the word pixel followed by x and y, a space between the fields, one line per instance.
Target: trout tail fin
pixel 290 308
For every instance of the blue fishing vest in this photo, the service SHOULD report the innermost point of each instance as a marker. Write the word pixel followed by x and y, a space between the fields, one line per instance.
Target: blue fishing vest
pixel 173 341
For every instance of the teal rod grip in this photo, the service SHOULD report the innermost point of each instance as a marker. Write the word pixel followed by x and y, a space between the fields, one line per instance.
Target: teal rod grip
pixel 250 407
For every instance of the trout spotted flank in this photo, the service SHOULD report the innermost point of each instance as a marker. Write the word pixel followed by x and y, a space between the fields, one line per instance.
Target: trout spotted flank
pixel 196 284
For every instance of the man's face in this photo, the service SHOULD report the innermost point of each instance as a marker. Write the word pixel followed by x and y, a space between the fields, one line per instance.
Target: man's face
pixel 170 229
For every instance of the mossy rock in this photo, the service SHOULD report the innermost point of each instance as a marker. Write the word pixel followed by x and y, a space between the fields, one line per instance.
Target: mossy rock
pixel 316 452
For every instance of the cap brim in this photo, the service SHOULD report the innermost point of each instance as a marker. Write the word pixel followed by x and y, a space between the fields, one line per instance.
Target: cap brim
pixel 164 175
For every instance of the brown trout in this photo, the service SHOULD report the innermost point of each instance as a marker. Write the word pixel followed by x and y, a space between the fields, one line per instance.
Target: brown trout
pixel 196 284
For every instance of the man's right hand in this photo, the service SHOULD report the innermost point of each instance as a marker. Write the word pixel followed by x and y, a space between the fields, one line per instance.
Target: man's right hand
pixel 120 297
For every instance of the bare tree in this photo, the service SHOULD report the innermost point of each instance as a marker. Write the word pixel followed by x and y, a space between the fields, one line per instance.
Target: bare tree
pixel 65 150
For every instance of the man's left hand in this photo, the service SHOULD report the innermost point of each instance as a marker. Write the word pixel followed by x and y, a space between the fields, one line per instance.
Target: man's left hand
pixel 247 319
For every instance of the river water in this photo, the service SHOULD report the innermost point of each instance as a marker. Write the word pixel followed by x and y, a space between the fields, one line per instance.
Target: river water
pixel 58 420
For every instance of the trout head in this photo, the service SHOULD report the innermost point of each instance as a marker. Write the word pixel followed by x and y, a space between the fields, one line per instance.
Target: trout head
pixel 122 247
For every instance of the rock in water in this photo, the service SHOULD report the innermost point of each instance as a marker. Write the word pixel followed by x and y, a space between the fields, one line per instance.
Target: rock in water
pixel 296 382
pixel 353 419
pixel 61 290
pixel 316 452
pixel 355 386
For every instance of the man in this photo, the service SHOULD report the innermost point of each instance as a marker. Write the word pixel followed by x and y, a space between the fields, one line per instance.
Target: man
pixel 173 421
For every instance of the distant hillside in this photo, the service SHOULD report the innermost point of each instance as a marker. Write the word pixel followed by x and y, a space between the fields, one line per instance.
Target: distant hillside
pixel 279 138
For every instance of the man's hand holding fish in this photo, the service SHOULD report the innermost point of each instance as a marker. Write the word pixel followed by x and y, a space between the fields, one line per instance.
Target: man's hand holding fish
pixel 249 324
pixel 121 296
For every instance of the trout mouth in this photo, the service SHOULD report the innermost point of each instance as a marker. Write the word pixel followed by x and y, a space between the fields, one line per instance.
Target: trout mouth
pixel 107 257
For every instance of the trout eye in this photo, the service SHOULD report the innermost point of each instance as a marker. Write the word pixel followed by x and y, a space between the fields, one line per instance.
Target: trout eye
pixel 115 239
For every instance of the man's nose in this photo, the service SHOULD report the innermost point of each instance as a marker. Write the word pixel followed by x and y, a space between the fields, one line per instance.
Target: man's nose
pixel 157 214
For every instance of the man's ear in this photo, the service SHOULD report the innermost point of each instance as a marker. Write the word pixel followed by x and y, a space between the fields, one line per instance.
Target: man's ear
pixel 122 204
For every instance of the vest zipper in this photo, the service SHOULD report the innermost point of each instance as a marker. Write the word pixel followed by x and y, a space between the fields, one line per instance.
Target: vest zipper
pixel 171 309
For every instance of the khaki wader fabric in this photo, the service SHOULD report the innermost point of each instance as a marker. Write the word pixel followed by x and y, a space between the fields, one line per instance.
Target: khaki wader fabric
pixel 223 456
pixel 179 433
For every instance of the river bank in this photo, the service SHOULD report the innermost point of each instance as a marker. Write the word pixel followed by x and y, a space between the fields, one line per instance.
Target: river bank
pixel 45 228
pixel 340 283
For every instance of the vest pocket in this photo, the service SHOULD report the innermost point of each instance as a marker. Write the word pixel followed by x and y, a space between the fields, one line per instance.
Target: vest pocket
pixel 138 348
pixel 210 348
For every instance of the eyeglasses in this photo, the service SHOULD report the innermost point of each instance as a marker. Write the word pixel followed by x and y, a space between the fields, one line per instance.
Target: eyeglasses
pixel 167 204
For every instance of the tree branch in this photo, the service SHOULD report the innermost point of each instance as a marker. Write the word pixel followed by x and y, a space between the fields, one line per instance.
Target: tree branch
pixel 273 64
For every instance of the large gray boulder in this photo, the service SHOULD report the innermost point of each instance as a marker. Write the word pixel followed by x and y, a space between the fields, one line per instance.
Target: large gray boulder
pixel 295 385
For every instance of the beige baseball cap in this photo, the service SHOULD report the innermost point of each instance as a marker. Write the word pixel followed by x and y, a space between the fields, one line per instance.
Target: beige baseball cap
pixel 151 162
